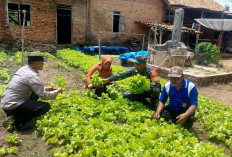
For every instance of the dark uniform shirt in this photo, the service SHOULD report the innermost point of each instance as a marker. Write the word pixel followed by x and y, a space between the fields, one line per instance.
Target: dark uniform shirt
pixel 148 72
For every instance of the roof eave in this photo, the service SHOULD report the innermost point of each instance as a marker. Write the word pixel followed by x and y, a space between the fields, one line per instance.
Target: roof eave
pixel 201 9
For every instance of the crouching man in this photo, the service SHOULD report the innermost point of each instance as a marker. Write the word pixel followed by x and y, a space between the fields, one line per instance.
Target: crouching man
pixel 19 100
pixel 183 97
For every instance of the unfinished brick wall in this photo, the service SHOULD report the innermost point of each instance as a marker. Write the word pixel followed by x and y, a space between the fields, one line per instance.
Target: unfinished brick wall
pixel 43 23
pixel 2 20
pixel 43 20
pixel 102 15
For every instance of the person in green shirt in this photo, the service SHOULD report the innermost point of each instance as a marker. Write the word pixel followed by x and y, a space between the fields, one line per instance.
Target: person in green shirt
pixel 143 69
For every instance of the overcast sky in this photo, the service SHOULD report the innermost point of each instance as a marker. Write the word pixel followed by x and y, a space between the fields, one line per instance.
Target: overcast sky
pixel 224 2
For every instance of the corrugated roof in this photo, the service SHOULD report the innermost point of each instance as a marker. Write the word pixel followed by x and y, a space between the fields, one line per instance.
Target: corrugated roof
pixel 167 26
pixel 202 4
pixel 217 24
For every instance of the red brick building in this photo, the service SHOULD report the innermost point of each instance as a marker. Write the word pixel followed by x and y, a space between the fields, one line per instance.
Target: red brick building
pixel 51 22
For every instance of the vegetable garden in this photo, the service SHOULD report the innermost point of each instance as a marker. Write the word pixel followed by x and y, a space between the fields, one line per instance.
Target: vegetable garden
pixel 81 124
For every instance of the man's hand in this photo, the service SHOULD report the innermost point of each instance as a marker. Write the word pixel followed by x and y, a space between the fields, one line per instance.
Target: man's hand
pixel 182 118
pixel 59 90
pixel 90 86
pixel 159 109
pixel 50 88
pixel 106 80
pixel 156 115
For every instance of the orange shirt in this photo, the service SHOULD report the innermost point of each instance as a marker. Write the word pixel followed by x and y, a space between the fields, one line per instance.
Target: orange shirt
pixel 103 73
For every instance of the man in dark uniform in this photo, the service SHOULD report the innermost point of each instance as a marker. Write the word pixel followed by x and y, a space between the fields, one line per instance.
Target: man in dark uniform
pixel 144 70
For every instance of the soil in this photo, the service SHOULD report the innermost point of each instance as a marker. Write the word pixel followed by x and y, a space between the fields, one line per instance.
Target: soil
pixel 36 146
pixel 220 92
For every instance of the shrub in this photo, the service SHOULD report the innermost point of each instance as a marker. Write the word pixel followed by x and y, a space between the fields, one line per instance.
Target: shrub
pixel 207 53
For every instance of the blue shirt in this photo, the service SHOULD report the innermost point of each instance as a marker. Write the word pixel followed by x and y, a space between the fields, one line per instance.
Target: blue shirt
pixel 187 94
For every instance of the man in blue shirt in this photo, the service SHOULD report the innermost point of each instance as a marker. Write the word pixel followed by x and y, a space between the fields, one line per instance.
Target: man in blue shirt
pixel 183 97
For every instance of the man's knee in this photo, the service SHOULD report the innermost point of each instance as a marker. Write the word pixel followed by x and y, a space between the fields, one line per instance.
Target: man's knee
pixel 188 124
pixel 46 106
pixel 167 115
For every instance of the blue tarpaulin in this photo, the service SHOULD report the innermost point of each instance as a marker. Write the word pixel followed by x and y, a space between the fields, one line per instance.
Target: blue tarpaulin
pixel 116 50
pixel 131 55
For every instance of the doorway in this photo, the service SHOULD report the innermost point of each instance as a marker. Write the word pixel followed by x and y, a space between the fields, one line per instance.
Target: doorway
pixel 64 24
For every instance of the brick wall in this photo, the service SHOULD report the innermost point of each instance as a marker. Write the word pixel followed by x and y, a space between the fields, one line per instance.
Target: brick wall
pixel 43 23
pixel 2 20
pixel 102 15
pixel 43 18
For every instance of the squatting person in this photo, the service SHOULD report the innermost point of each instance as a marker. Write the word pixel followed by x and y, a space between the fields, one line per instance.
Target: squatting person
pixel 183 97
pixel 105 70
pixel 20 99
pixel 144 70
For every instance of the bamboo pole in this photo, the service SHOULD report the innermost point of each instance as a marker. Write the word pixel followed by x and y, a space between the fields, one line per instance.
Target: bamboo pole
pixel 161 36
pixel 155 35
pixel 24 19
pixel 199 29
pixel 143 42
pixel 99 44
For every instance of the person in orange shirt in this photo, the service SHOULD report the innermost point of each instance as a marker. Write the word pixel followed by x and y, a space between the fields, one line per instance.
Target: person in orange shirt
pixel 105 71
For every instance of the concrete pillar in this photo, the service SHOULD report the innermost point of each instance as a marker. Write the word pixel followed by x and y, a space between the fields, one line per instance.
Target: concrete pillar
pixel 178 23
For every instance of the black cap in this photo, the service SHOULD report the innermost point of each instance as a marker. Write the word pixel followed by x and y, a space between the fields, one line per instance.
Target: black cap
pixel 36 57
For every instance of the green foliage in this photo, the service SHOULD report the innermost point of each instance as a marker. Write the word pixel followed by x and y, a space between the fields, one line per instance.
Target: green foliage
pixel 96 80
pixel 216 118
pixel 71 47
pixel 13 150
pixel 3 57
pixel 114 94
pixel 229 142
pixel 47 55
pixel 4 74
pixel 203 113
pixel 63 65
pixel 18 57
pixel 80 125
pixel 2 89
pixel 10 125
pixel 207 53
pixel 136 84
pixel 13 140
pixel 3 150
pixel 60 82
pixel 82 61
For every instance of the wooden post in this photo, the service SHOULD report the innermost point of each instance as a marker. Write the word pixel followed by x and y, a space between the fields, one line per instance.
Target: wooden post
pixel 24 19
pixel 188 40
pixel 99 45
pixel 143 42
pixel 220 39
pixel 155 35
pixel 88 23
pixel 161 35
pixel 199 29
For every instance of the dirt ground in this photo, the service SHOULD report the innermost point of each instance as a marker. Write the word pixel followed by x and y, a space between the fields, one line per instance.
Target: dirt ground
pixel 220 92
pixel 32 146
